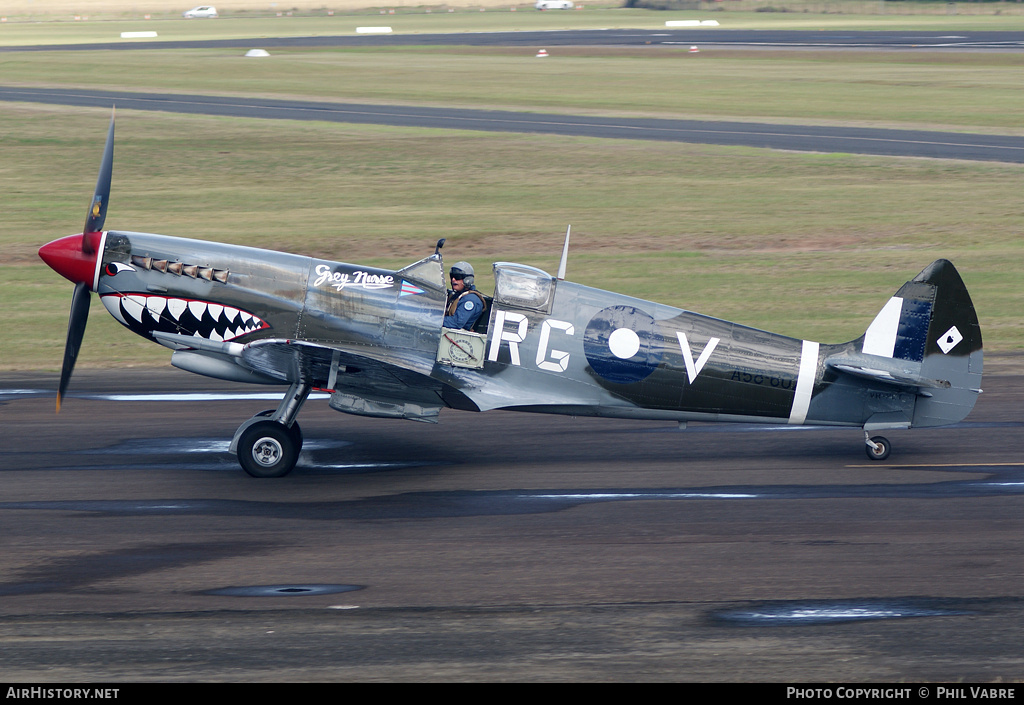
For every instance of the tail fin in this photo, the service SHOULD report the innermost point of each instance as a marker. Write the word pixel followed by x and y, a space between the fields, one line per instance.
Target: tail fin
pixel 931 322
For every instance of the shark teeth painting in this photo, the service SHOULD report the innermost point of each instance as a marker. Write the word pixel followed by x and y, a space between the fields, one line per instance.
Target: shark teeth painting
pixel 146 313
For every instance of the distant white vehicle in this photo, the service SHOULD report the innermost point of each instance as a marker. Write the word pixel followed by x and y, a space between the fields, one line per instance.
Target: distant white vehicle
pixel 554 5
pixel 201 11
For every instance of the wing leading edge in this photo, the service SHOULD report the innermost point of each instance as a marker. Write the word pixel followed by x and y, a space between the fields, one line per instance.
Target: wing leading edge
pixel 359 384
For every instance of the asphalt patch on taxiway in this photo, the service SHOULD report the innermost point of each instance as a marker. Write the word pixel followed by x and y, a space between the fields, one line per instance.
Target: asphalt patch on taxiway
pixel 287 590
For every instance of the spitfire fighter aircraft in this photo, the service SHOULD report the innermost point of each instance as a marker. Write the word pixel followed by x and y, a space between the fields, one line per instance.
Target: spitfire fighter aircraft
pixel 374 338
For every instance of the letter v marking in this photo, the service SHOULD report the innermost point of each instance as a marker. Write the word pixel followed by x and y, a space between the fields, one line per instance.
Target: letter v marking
pixel 693 368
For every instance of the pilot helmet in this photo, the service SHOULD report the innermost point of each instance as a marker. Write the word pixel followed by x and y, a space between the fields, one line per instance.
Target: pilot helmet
pixel 463 271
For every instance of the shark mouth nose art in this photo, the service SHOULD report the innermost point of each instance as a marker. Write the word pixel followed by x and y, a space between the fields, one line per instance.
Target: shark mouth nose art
pixel 145 313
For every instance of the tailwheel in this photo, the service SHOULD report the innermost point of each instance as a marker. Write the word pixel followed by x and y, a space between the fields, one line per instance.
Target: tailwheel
pixel 877 447
pixel 269 449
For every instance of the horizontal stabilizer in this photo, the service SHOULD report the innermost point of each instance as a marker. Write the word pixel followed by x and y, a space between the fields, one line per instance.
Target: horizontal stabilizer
pixel 878 371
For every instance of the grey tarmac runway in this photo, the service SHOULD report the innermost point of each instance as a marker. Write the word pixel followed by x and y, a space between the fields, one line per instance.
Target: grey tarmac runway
pixel 913 41
pixel 498 546
pixel 811 138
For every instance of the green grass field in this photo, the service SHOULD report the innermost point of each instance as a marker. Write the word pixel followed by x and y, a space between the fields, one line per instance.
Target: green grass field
pixel 809 245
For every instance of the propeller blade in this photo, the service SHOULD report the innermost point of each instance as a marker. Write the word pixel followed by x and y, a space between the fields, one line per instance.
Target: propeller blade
pixel 98 208
pixel 76 329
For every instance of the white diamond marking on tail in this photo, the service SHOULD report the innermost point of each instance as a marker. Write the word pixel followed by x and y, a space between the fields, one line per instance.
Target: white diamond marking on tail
pixel 949 340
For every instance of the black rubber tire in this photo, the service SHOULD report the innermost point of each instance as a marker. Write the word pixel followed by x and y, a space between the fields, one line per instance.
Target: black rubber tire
pixel 882 451
pixel 267 449
pixel 296 434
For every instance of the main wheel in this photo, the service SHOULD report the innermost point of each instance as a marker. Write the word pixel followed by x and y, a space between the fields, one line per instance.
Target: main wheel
pixel 881 450
pixel 268 449
pixel 293 429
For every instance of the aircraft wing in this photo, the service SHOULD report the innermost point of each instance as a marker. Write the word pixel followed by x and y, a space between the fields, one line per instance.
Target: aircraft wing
pixel 360 383
pixel 363 382
pixel 329 367
pixel 402 386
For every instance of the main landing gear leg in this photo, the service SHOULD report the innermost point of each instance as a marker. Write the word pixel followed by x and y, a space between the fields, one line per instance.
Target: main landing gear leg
pixel 268 444
pixel 877 447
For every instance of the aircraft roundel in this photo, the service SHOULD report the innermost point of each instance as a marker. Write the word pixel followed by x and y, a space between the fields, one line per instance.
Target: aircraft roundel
pixel 622 344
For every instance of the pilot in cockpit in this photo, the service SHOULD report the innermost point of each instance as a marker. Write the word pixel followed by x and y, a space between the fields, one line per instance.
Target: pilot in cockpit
pixel 465 303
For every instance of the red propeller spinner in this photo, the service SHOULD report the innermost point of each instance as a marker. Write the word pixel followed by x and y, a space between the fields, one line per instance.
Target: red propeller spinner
pixel 74 257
